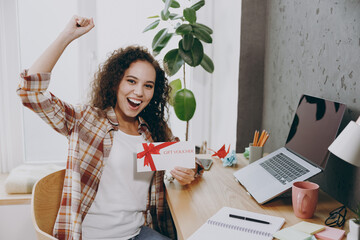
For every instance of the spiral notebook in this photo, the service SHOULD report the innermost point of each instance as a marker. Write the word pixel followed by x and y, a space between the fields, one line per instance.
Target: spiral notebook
pixel 222 226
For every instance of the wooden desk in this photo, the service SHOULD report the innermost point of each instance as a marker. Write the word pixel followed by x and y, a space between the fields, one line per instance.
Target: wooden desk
pixel 192 205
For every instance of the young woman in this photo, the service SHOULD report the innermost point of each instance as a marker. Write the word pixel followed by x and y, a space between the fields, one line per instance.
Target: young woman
pixel 103 195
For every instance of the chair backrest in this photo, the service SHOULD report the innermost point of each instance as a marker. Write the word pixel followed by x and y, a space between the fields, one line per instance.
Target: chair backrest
pixel 45 203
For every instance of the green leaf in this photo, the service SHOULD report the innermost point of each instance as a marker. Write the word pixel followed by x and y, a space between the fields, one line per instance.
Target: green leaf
pixel 178 17
pixel 183 29
pixel 165 15
pixel 159 37
pixel 174 16
pixel 167 4
pixel 175 86
pixel 162 44
pixel 184 104
pixel 156 16
pixel 187 41
pixel 207 64
pixel 165 12
pixel 173 62
pixel 195 55
pixel 202 35
pixel 152 25
pixel 174 4
pixel 190 15
pixel 202 26
pixel 198 5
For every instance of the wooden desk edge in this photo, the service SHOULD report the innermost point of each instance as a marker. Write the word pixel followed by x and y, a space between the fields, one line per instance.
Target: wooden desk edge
pixel 15 201
pixel 177 226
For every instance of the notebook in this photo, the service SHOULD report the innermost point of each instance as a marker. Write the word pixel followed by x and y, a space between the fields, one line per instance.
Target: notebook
pixel 305 154
pixel 222 226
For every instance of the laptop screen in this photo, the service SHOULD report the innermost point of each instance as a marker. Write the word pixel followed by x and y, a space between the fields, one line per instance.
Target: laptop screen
pixel 314 128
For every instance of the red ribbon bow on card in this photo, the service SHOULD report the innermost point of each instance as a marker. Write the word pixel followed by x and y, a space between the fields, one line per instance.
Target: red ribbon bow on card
pixel 152 149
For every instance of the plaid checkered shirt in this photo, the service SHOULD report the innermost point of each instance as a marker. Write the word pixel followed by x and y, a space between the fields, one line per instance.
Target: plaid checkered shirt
pixel 90 134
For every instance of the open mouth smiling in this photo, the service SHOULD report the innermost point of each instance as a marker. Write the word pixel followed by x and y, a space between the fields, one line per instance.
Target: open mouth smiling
pixel 134 103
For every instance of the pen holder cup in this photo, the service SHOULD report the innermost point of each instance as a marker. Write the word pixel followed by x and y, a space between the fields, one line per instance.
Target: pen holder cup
pixel 255 153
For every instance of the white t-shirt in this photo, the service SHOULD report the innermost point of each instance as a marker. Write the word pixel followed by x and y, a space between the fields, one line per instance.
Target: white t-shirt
pixel 117 210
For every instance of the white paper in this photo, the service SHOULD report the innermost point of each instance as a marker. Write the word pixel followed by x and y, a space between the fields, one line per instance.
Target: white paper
pixel 156 156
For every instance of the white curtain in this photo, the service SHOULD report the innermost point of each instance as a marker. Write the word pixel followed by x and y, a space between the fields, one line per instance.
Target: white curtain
pixel 216 117
pixel 11 132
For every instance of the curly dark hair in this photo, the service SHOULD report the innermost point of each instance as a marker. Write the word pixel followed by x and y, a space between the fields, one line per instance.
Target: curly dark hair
pixel 107 80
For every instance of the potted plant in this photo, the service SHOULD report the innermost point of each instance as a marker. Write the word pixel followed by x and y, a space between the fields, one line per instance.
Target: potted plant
pixel 184 28
pixel 354 225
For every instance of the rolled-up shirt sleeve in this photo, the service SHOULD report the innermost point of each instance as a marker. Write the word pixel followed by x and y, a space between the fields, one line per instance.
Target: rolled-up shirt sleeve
pixel 35 96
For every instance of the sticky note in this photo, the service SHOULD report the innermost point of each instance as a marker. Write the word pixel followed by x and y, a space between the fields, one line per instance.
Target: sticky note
pixel 330 234
pixel 291 234
pixel 307 227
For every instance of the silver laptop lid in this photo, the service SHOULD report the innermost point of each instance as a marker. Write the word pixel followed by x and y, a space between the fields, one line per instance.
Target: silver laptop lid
pixel 314 128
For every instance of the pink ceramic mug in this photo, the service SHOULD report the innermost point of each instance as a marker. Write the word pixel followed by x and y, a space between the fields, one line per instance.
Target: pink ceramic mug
pixel 304 199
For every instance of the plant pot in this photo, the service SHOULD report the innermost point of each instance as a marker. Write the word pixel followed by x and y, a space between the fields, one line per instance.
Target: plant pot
pixel 354 230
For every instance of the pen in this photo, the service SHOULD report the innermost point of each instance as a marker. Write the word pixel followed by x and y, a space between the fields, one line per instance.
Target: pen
pixel 248 219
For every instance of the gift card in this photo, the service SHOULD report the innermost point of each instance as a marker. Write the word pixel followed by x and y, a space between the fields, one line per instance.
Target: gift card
pixel 165 156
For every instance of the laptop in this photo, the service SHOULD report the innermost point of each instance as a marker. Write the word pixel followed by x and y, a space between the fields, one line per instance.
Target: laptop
pixel 305 154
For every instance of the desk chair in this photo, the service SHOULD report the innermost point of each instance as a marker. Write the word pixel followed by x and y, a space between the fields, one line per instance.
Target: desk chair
pixel 45 202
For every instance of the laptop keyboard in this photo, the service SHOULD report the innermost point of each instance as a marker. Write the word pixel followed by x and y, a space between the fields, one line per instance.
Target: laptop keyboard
pixel 283 168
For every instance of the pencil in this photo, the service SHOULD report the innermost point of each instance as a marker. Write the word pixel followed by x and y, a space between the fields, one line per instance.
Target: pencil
pixel 264 140
pixel 256 136
pixel 261 137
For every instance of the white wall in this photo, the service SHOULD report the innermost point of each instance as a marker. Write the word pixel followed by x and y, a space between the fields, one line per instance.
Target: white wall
pixel 15 223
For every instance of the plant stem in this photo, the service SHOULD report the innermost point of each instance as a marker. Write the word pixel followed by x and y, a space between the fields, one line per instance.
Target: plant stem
pixel 187 131
pixel 187 122
pixel 184 76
